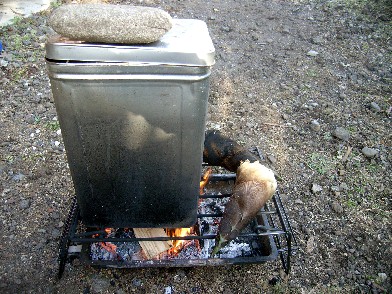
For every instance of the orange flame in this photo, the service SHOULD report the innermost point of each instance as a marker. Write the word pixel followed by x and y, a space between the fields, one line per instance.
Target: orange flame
pixel 205 179
pixel 178 245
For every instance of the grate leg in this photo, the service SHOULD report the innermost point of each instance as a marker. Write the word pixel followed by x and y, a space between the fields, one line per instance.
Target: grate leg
pixel 65 238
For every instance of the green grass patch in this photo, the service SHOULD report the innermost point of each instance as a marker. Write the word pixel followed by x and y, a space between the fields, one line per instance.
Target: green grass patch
pixel 19 74
pixel 312 73
pixel 350 203
pixel 320 163
pixel 55 4
pixel 53 125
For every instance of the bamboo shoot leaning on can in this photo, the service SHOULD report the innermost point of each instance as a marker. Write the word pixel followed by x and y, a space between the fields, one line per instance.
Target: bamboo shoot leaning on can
pixel 254 186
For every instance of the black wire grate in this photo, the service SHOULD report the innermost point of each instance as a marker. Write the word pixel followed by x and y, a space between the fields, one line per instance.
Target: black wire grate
pixel 270 235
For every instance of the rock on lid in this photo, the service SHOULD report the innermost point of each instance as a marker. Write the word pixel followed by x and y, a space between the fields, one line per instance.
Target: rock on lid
pixel 108 23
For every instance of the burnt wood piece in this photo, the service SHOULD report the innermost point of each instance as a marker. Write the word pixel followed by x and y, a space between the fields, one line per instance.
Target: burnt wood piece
pixel 223 151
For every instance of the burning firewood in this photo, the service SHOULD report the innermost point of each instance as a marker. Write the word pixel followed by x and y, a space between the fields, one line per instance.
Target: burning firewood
pixel 254 186
pixel 204 180
pixel 152 248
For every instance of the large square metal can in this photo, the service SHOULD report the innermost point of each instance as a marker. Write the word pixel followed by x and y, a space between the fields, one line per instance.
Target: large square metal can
pixel 133 119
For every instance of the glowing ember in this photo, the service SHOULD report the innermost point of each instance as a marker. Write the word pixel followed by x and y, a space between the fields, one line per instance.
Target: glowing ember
pixel 205 179
pixel 109 247
pixel 178 245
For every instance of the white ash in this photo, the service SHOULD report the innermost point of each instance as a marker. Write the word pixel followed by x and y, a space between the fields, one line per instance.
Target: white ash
pixel 234 249
pixel 100 253
pixel 125 251
pixel 189 252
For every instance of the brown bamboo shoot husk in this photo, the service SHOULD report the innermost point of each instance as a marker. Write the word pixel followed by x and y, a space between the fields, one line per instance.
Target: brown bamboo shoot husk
pixel 222 151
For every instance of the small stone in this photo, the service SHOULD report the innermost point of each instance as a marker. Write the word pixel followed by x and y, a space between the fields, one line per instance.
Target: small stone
pixel 369 152
pixel 312 53
pixel 298 201
pixel 315 126
pixel 30 119
pixel 56 233
pixel 272 159
pixel 168 290
pixel 55 215
pixel 337 207
pixel 108 23
pixel 3 63
pixel 335 188
pixel 226 29
pixel 286 30
pixel 136 282
pixel 341 133
pixel 284 197
pixel 24 204
pixel 343 186
pixel 285 116
pixel 328 110
pixel 316 188
pixel 374 106
pixel 317 40
pixel 18 177
pixel 382 276
pixel 310 244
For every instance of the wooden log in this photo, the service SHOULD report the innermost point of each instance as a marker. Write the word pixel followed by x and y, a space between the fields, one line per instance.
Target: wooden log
pixel 152 248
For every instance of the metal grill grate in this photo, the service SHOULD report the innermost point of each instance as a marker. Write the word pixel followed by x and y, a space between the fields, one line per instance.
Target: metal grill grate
pixel 269 235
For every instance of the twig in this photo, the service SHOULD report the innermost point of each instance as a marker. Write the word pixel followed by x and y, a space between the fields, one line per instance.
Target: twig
pixel 348 152
pixel 17 12
pixel 379 287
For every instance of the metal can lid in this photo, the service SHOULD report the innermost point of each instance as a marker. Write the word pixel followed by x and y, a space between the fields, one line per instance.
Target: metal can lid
pixel 188 43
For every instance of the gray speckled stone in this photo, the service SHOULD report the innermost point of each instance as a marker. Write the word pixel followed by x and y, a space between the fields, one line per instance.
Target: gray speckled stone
pixel 341 133
pixel 369 152
pixel 107 23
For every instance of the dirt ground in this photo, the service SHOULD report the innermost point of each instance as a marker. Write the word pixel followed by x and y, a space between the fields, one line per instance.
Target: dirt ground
pixel 307 81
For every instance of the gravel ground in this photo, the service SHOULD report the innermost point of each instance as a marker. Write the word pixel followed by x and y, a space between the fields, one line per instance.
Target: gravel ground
pixel 307 81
